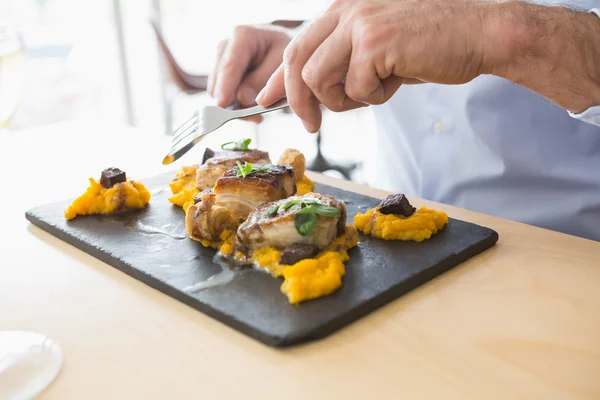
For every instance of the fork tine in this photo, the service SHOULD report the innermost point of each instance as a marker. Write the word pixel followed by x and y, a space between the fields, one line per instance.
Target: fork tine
pixel 184 135
pixel 184 131
pixel 185 125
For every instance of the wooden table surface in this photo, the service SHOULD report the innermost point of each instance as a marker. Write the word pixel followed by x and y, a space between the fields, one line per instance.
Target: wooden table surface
pixel 521 320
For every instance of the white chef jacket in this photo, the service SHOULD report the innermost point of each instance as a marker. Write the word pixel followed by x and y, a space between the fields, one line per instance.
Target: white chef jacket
pixel 494 147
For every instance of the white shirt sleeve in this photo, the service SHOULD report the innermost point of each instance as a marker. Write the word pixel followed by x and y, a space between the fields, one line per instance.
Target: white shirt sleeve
pixel 592 114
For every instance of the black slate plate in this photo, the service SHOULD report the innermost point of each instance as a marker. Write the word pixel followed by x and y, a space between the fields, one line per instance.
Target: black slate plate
pixel 151 246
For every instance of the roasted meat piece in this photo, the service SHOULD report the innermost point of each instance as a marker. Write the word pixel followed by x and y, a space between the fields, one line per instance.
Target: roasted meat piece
pixel 234 197
pixel 396 204
pixel 206 220
pixel 278 225
pixel 216 163
pixel 242 195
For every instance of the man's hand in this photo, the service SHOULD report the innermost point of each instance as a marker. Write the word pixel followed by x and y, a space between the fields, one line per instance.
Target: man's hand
pixel 359 52
pixel 374 45
pixel 244 64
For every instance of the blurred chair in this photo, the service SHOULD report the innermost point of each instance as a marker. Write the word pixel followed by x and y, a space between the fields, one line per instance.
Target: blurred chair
pixel 191 84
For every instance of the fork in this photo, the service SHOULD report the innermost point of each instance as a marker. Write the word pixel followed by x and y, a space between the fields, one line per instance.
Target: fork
pixel 192 131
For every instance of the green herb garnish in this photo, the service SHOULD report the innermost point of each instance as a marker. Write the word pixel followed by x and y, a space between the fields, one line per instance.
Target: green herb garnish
pixel 248 169
pixel 305 222
pixel 240 145
pixel 273 210
pixel 322 209
pixel 306 218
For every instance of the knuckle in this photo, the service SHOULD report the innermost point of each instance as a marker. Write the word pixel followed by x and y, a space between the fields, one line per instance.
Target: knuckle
pixel 334 4
pixel 370 38
pixel 363 11
pixel 241 31
pixel 311 77
pixel 230 63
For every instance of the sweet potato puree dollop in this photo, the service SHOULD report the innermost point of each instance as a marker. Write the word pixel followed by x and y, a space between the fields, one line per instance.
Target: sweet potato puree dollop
pixel 304 186
pixel 418 227
pixel 309 278
pixel 183 187
pixel 97 199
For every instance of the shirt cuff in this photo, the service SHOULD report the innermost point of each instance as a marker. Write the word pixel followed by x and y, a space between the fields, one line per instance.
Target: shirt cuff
pixel 592 114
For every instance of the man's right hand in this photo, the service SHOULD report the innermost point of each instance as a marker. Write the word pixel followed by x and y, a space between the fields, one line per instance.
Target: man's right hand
pixel 245 62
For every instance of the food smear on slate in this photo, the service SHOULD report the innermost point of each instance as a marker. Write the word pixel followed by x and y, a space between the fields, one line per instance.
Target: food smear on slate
pixel 112 194
pixel 223 277
pixel 396 219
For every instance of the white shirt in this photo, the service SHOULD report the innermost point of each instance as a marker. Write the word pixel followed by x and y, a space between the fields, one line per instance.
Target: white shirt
pixel 494 147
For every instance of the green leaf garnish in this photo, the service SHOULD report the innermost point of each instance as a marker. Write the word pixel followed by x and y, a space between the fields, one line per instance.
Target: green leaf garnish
pixel 290 203
pixel 305 219
pixel 305 222
pixel 322 209
pixel 273 210
pixel 240 145
pixel 248 169
pixel 243 171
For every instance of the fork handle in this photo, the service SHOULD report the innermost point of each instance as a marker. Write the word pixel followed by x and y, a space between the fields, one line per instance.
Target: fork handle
pixel 247 112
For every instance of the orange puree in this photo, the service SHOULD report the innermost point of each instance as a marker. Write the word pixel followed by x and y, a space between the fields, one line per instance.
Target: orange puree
pixel 418 227
pixel 97 199
pixel 309 278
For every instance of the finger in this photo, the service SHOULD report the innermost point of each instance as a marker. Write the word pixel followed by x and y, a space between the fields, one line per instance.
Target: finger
pixel 257 119
pixel 298 52
pixel 274 90
pixel 253 118
pixel 326 70
pixel 412 81
pixel 299 96
pixel 257 79
pixel 366 84
pixel 236 60
pixel 213 76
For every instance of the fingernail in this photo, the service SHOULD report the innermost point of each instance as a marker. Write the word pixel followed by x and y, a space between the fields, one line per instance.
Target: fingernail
pixel 219 100
pixel 247 95
pixel 261 95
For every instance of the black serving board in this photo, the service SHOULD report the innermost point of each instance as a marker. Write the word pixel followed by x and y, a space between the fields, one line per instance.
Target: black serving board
pixel 151 246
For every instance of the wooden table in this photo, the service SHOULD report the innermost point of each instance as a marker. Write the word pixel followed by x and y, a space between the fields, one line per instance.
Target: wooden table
pixel 521 320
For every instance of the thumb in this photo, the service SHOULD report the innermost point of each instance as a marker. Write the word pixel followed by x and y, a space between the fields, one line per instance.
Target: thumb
pixel 274 90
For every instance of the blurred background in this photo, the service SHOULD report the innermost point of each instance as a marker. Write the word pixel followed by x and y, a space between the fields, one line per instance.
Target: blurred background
pixel 99 61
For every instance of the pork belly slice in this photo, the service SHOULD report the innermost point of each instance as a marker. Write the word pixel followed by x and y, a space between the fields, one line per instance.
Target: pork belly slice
pixel 215 164
pixel 265 229
pixel 234 197
pixel 242 195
